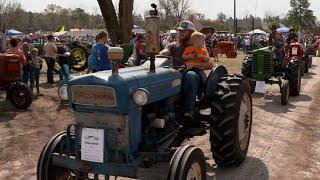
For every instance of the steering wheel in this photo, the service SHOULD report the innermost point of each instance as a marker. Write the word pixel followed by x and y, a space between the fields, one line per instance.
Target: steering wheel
pixel 180 68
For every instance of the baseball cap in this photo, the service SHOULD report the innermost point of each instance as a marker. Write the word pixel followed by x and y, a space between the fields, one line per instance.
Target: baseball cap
pixel 186 25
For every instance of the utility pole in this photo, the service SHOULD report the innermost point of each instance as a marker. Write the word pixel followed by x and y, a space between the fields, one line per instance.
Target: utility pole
pixel 234 18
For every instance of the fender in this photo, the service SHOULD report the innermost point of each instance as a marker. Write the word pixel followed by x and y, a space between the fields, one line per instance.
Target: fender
pixel 213 79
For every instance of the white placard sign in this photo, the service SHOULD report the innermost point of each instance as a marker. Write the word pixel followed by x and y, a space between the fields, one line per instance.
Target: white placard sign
pixel 92 143
pixel 260 87
pixel 294 51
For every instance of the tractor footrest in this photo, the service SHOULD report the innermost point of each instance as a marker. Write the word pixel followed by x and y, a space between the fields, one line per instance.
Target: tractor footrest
pixel 113 169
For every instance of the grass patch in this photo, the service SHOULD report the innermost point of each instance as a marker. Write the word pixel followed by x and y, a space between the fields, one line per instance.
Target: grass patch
pixel 8 125
pixel 230 62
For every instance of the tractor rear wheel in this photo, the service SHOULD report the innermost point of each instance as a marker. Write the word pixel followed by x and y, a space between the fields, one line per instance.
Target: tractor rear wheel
pixel 45 169
pixel 231 120
pixel 79 59
pixel 294 77
pixel 187 163
pixel 246 70
pixel 20 95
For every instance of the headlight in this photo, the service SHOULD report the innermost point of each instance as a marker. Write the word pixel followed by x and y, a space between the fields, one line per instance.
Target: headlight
pixel 63 92
pixel 141 97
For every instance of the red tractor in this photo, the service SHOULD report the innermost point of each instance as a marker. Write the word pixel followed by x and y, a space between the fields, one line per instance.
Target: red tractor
pixel 228 48
pixel 295 50
pixel 18 93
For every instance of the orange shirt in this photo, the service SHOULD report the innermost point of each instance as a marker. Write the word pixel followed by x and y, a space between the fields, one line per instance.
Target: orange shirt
pixel 192 49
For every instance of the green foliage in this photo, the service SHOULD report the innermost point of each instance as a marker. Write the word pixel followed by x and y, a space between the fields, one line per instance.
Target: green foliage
pixel 8 125
pixel 300 16
pixel 220 27
pixel 51 19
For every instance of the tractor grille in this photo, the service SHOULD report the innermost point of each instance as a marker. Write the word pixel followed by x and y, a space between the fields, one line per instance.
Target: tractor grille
pixel 262 67
pixel 93 95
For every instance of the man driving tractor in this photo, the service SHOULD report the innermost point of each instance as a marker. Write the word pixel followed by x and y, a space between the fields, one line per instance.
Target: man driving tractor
pixel 276 40
pixel 191 79
pixel 292 36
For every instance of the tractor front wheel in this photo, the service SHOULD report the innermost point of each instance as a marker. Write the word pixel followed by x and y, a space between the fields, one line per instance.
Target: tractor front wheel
pixel 231 120
pixel 284 90
pixel 294 77
pixel 187 163
pixel 46 170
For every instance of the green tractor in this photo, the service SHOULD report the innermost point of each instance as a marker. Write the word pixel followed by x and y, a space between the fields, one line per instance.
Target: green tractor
pixel 262 65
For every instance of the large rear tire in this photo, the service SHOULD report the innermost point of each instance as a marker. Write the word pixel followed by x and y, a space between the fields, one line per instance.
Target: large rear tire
pixel 231 120
pixel 187 163
pixel 79 59
pixel 294 77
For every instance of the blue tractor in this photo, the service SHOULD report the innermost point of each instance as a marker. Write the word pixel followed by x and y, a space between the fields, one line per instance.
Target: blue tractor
pixel 129 118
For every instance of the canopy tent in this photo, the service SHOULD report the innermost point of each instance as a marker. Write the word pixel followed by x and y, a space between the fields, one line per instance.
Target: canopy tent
pixel 59 33
pixel 12 32
pixel 138 31
pixel 283 30
pixel 257 31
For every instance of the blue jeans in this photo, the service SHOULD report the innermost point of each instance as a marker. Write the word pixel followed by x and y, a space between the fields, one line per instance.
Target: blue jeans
pixel 35 75
pixel 190 87
pixel 64 72
pixel 25 77
pixel 50 63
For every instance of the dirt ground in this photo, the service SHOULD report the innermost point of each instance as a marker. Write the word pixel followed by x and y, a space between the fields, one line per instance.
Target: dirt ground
pixel 285 140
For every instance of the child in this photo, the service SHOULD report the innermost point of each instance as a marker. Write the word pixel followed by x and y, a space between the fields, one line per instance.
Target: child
pixel 35 70
pixel 196 52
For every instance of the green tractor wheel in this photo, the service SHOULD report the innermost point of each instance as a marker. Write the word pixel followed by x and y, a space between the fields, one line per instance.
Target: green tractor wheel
pixel 294 77
pixel 79 59
pixel 231 120
pixel 284 90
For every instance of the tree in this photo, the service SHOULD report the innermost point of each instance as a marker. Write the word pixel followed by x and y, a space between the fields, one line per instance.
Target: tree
pixel 221 17
pixel 173 11
pixel 119 28
pixel 300 16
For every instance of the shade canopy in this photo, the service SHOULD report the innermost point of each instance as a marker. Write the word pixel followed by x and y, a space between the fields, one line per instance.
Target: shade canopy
pixel 13 32
pixel 283 30
pixel 257 31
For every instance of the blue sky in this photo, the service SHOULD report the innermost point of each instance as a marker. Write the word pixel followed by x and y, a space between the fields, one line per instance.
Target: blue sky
pixel 208 7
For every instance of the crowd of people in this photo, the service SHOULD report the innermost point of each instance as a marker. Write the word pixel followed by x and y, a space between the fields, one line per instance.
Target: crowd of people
pixel 177 45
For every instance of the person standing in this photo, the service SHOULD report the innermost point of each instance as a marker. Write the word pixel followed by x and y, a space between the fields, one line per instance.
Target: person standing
pixel 50 53
pixel 35 71
pixel 27 66
pixel 63 56
pixel 98 59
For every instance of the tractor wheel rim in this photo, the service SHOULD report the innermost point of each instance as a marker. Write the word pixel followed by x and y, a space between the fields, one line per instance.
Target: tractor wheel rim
pixel 194 173
pixel 244 121
pixel 79 57
pixel 20 97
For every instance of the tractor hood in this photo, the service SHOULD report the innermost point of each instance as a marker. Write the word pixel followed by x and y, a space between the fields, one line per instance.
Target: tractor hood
pixel 103 92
